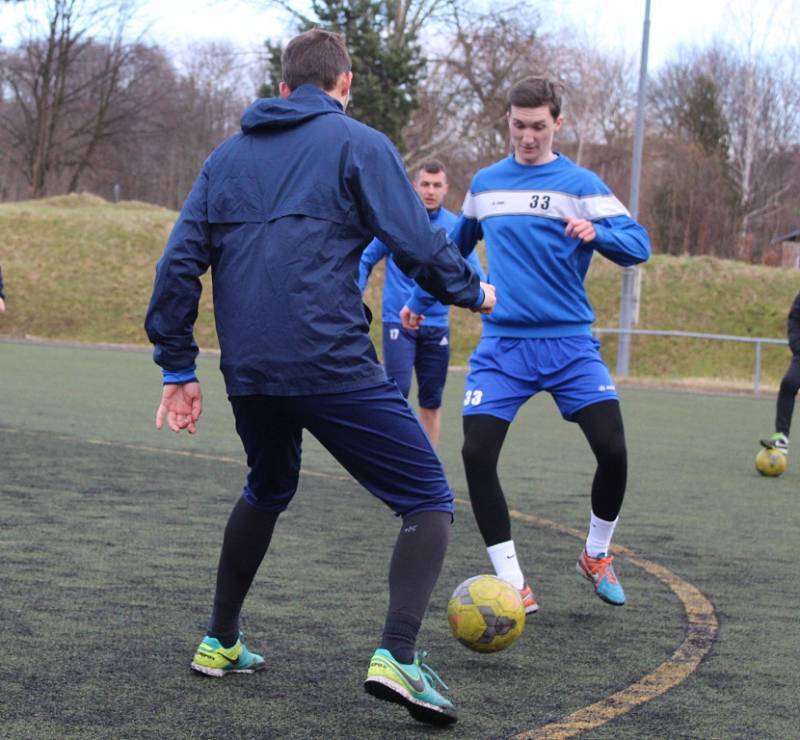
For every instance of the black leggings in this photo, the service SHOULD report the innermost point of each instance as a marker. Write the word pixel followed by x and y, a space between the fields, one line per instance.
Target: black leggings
pixel 484 435
pixel 417 560
pixel 786 393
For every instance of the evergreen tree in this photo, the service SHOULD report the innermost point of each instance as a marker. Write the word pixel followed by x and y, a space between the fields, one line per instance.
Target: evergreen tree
pixel 703 119
pixel 388 64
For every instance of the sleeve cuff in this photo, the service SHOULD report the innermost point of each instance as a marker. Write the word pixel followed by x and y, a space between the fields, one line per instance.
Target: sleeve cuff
pixel 418 305
pixel 180 376
pixel 481 299
pixel 600 234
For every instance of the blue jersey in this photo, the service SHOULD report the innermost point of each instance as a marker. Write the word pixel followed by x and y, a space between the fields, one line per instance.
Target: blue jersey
pixel 397 287
pixel 538 271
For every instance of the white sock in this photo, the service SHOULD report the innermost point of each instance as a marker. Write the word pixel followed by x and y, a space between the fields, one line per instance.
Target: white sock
pixel 598 542
pixel 504 560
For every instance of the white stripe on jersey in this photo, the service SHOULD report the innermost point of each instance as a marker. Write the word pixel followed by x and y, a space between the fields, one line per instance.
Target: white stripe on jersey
pixel 542 203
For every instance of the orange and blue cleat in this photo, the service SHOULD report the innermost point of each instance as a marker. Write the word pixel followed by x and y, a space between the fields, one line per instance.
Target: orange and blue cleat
pixel 601 573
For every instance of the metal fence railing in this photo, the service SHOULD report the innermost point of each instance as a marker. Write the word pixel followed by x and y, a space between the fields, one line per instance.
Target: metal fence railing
pixel 759 342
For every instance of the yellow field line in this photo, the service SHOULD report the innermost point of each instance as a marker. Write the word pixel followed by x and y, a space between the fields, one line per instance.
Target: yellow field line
pixel 203 456
pixel 701 631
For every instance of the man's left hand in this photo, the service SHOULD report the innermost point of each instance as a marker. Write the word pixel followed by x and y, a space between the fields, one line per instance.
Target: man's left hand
pixel 580 228
pixel 409 319
pixel 181 405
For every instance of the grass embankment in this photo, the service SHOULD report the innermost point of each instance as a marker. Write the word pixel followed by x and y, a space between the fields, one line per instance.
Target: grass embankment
pixel 79 268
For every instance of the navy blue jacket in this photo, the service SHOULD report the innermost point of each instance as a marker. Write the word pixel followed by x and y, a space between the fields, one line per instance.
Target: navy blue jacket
pixel 281 213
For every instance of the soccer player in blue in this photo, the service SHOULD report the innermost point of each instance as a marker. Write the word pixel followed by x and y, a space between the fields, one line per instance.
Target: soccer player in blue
pixel 281 213
pixel 542 218
pixel 426 350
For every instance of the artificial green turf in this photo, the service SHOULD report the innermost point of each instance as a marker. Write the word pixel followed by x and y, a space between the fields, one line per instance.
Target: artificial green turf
pixel 108 554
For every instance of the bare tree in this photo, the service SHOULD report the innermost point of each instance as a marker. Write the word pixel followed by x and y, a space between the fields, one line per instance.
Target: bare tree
pixel 760 116
pixel 213 92
pixel 478 56
pixel 196 102
pixel 760 113
pixel 690 202
pixel 66 88
pixel 139 157
pixel 600 94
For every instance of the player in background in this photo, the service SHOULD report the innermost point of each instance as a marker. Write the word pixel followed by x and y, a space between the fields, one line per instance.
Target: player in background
pixel 281 213
pixel 542 218
pixel 426 351
pixel 2 294
pixel 790 384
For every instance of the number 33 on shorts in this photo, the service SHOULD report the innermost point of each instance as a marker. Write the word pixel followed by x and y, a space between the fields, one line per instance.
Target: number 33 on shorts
pixel 473 398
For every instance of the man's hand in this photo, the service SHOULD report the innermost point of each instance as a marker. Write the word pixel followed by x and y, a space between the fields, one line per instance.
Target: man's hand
pixel 182 404
pixel 2 306
pixel 489 299
pixel 409 319
pixel 580 228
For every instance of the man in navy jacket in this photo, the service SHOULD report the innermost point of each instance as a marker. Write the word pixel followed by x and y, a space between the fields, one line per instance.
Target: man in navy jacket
pixel 281 213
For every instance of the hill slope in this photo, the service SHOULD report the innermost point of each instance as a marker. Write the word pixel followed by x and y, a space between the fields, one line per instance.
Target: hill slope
pixel 79 268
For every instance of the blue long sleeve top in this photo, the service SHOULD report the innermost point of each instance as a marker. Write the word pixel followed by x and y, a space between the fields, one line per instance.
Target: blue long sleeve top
pixel 538 271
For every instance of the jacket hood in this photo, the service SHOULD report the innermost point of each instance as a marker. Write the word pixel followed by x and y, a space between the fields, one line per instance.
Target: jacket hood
pixel 305 103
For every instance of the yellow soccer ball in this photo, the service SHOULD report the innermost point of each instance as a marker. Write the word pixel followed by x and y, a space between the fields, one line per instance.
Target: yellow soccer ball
pixel 486 614
pixel 771 462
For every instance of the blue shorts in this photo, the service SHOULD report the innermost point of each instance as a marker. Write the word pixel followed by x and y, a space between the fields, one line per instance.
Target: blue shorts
pixel 504 372
pixel 425 350
pixel 372 432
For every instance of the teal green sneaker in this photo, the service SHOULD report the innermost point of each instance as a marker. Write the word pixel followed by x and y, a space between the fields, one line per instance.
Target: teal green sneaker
pixel 409 684
pixel 601 573
pixel 211 659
